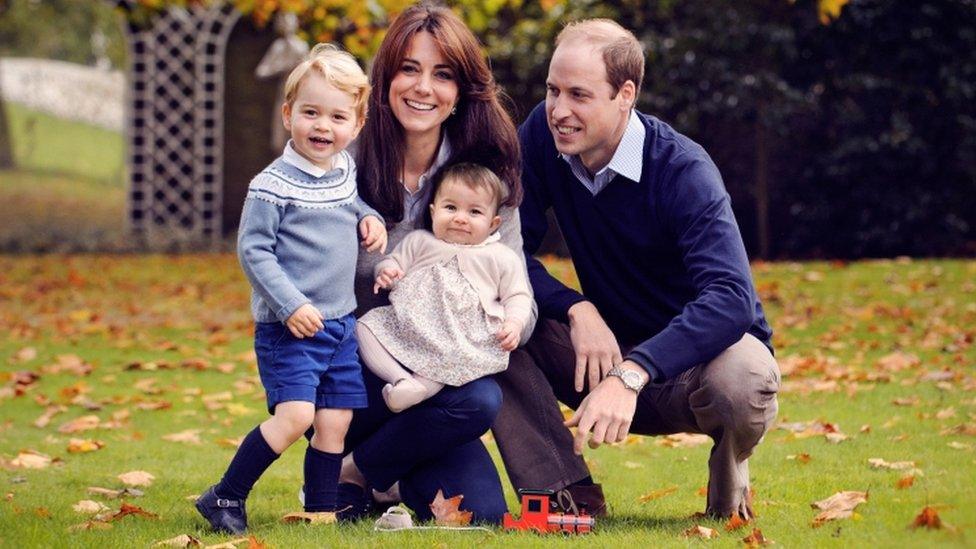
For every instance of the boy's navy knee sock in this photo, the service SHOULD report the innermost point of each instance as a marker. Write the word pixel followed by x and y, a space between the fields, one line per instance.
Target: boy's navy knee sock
pixel 321 479
pixel 252 459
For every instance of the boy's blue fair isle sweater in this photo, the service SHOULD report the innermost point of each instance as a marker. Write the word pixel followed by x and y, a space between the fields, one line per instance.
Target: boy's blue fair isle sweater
pixel 299 239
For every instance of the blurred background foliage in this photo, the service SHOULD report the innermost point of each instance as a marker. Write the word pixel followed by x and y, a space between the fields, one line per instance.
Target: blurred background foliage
pixel 842 128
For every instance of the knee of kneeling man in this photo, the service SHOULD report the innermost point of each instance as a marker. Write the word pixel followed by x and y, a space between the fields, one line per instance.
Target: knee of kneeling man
pixel 742 381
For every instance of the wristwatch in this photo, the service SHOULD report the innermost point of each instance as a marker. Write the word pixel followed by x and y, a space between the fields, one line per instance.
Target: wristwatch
pixel 632 380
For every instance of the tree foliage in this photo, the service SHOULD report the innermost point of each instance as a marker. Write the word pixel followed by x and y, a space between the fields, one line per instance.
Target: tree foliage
pixel 842 128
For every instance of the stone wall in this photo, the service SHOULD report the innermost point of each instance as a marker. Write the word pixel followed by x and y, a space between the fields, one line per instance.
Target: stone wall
pixel 66 90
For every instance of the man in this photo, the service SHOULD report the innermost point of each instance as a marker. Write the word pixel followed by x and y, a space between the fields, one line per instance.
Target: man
pixel 668 335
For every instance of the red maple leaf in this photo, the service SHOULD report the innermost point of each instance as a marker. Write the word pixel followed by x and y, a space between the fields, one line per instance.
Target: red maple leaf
pixel 446 511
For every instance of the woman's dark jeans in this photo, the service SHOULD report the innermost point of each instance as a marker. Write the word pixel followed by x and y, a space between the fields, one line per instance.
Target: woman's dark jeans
pixel 432 446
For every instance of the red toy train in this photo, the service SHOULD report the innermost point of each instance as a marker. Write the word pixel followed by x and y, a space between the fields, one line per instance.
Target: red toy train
pixel 537 516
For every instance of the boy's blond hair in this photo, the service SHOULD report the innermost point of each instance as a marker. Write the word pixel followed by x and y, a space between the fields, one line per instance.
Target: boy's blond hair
pixel 339 68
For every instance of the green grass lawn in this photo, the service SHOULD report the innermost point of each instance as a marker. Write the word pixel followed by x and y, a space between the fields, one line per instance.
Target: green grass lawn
pixel 67 192
pixel 882 350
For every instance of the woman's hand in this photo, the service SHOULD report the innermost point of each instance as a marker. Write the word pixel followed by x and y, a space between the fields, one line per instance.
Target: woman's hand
pixel 374 234
pixel 386 278
pixel 305 321
pixel 509 335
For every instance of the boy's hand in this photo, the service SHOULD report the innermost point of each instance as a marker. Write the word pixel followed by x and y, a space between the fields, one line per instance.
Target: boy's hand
pixel 386 278
pixel 305 321
pixel 509 335
pixel 374 234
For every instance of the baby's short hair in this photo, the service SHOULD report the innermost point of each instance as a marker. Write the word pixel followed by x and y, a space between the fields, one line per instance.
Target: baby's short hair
pixel 476 176
pixel 339 68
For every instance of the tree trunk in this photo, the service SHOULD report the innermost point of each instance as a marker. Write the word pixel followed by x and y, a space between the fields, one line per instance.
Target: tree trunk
pixel 6 147
pixel 761 194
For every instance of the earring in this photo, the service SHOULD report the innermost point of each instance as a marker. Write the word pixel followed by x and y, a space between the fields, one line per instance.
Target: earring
pixel 454 110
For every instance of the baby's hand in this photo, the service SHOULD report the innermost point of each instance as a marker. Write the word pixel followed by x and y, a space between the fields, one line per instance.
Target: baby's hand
pixel 509 335
pixel 374 234
pixel 386 278
pixel 305 321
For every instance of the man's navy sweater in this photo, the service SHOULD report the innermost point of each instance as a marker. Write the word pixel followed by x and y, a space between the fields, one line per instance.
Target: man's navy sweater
pixel 661 259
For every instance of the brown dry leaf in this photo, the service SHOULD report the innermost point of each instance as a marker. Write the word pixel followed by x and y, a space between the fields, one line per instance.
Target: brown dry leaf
pixel 698 531
pixel 955 445
pixel 946 413
pixel 735 523
pixel 897 361
pixel 89 507
pixel 323 517
pixel 682 440
pixel 148 386
pixel 45 419
pixel 150 405
pixel 906 401
pixel 447 512
pixel 803 458
pixel 656 494
pixel 136 478
pixel 72 364
pixel 226 367
pixel 182 540
pixel 756 539
pixel 905 482
pixel 189 436
pixel 835 438
pixel 84 445
pixel 29 459
pixel 878 463
pixel 838 506
pixel 927 518
pixel 83 423
pixel 230 442
pixel 149 366
pixel 113 494
pixel 961 429
pixel 24 355
pixel 127 509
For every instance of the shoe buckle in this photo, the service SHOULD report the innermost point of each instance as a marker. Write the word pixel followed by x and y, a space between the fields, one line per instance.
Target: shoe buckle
pixel 225 503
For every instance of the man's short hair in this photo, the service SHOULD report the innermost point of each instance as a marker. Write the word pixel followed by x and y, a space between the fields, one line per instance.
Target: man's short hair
pixel 339 68
pixel 622 52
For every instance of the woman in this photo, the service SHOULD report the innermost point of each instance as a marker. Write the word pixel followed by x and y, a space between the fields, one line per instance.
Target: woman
pixel 434 103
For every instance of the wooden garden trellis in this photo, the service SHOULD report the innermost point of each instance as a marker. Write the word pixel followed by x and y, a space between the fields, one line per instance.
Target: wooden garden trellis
pixel 175 128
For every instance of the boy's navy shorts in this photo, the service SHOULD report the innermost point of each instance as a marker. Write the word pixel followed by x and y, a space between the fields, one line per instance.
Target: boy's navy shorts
pixel 323 369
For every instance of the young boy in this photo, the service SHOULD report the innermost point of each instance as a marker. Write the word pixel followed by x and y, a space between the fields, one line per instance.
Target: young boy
pixel 298 245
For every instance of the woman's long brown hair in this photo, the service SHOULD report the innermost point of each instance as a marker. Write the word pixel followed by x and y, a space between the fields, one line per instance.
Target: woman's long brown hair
pixel 481 131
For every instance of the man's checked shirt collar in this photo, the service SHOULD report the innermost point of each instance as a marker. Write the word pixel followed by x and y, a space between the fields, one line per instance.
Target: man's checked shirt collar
pixel 628 159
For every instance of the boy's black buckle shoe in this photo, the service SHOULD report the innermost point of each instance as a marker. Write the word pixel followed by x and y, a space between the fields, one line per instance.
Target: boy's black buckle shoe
pixel 225 515
pixel 352 503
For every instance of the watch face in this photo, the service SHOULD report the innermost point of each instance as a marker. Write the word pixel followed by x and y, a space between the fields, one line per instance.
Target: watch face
pixel 631 379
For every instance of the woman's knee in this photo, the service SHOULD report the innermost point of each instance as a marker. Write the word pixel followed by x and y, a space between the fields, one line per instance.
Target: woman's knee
pixel 480 400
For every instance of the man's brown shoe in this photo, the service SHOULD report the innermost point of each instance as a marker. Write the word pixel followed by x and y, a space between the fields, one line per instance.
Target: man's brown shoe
pixel 576 498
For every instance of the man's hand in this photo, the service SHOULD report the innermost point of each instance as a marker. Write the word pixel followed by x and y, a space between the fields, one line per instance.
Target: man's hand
pixel 595 345
pixel 607 412
pixel 305 321
pixel 374 234
pixel 386 278
pixel 509 335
